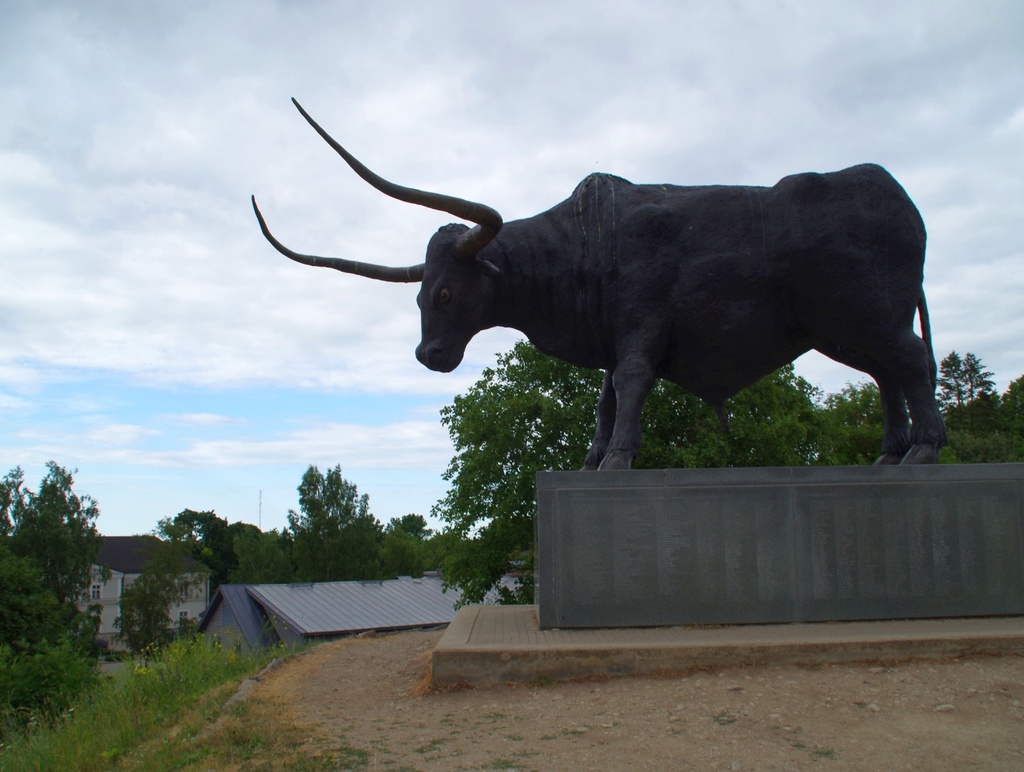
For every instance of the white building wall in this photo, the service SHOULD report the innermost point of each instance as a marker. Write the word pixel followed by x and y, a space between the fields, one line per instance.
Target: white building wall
pixel 107 595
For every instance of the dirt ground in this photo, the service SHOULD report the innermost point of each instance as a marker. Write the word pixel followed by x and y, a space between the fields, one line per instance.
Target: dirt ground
pixel 365 703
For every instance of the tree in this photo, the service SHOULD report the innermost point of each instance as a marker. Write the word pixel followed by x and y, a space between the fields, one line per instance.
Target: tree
pixel 11 497
pixel 48 544
pixel 414 525
pixel 855 426
pixel 208 539
pixel 986 448
pixel 262 558
pixel 167 580
pixel 55 529
pixel 774 422
pixel 952 390
pixel 963 382
pixel 1011 409
pixel 401 554
pixel 335 536
pixel 978 425
pixel 533 412
pixel 46 659
pixel 29 612
pixel 407 547
pixel 980 416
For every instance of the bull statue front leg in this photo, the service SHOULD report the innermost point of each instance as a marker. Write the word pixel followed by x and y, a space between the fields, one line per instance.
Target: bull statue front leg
pixel 617 439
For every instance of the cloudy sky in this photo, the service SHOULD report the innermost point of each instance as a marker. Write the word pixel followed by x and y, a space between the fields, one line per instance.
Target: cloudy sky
pixel 151 338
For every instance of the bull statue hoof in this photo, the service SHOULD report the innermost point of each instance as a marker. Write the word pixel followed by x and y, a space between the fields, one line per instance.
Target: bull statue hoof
pixel 616 459
pixel 888 459
pixel 922 454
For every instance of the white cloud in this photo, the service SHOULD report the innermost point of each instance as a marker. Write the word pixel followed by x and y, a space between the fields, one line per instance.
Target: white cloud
pixel 405 445
pixel 133 137
pixel 203 419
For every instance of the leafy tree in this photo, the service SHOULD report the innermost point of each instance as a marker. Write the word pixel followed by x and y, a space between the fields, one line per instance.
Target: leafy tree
pixel 980 416
pixel 29 612
pixel 335 536
pixel 1011 409
pixel 48 543
pixel 55 529
pixel 407 549
pixel 979 427
pixel 11 497
pixel 533 412
pixel 262 558
pixel 774 422
pixel 402 554
pixel 208 538
pixel 969 448
pixel 168 579
pixel 854 420
pixel 414 525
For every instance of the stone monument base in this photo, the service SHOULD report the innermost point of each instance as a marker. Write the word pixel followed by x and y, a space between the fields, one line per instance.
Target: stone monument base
pixel 725 546
pixel 498 644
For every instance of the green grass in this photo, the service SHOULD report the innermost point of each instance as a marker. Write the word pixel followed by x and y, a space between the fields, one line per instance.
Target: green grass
pixel 144 716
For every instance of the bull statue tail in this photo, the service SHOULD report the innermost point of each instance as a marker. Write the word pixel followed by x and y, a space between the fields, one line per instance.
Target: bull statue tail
pixel 926 336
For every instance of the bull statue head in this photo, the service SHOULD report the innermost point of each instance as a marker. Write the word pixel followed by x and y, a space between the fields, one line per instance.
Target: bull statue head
pixel 453 249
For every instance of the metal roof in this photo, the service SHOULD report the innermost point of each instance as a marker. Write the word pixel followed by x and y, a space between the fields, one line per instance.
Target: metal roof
pixel 247 616
pixel 324 608
pixel 338 608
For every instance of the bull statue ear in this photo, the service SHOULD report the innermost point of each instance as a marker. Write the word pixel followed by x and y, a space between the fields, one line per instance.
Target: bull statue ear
pixel 459 233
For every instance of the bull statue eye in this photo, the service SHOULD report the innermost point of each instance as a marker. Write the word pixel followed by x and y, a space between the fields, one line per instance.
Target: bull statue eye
pixel 444 296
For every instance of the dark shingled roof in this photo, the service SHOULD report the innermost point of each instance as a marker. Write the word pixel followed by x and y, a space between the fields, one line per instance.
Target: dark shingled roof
pixel 129 554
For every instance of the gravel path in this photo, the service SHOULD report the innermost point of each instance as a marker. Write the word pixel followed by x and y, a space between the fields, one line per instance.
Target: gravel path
pixel 366 703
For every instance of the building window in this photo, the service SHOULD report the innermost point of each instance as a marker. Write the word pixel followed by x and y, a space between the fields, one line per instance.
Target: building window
pixel 182 615
pixel 96 592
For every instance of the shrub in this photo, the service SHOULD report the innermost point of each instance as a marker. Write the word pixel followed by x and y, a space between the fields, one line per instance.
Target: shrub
pixel 119 714
pixel 41 684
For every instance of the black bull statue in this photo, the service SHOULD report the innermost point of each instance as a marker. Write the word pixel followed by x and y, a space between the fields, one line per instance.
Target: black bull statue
pixel 711 287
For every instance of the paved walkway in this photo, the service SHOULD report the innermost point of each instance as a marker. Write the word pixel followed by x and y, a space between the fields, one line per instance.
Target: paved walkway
pixel 503 643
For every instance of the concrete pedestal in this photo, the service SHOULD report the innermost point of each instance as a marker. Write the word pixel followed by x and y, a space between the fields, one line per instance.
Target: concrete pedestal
pixel 723 546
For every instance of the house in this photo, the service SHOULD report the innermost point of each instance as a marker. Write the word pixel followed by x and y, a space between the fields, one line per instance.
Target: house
pixel 126 557
pixel 255 615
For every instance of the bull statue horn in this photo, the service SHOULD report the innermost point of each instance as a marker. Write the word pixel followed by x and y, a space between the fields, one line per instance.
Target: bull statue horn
pixel 408 274
pixel 488 221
